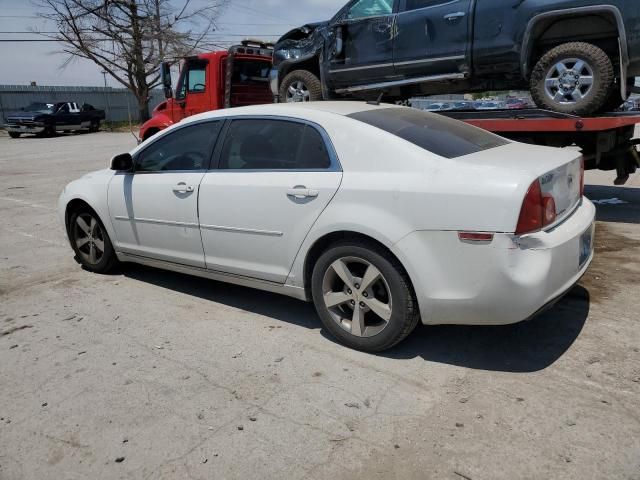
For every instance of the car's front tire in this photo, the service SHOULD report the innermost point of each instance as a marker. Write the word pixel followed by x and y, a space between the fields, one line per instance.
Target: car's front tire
pixel 576 78
pixel 90 241
pixel 14 134
pixel 363 296
pixel 300 86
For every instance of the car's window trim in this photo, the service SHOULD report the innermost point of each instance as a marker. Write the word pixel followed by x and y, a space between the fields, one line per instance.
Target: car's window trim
pixel 335 165
pixel 402 7
pixel 212 148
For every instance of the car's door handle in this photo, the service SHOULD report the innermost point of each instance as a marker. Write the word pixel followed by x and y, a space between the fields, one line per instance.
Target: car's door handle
pixel 183 188
pixel 455 16
pixel 302 192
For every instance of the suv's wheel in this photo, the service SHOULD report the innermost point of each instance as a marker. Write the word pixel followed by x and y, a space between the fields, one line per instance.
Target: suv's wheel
pixel 14 134
pixel 300 86
pixel 91 242
pixel 363 296
pixel 576 78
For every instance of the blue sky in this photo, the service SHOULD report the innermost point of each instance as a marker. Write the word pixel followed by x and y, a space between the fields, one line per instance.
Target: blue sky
pixel 21 63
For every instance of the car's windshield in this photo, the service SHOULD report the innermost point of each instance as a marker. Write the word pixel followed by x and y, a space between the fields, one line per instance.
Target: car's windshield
pixel 40 108
pixel 435 133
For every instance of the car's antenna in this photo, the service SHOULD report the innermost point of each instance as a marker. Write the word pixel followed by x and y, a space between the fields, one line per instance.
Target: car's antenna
pixel 378 100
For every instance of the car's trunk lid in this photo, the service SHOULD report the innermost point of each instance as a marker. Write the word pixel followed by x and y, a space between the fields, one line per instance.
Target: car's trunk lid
pixel 559 170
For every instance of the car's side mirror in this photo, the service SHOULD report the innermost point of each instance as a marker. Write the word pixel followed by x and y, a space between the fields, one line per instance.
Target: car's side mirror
pixel 165 74
pixel 122 162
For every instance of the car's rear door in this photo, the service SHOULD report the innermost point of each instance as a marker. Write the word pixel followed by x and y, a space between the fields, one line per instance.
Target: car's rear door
pixel 154 210
pixel 274 178
pixel 366 28
pixel 433 37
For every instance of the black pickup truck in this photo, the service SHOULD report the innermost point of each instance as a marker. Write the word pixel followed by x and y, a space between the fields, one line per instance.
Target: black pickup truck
pixel 48 118
pixel 575 56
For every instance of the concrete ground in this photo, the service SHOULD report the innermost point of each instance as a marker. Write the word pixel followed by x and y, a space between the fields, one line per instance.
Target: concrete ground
pixel 149 374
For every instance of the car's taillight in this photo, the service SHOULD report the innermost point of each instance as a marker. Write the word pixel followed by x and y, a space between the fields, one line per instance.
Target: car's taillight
pixel 538 210
pixel 582 177
pixel 548 210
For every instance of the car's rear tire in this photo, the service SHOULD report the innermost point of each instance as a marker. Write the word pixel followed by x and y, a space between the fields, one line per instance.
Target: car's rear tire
pixel 576 78
pixel 300 86
pixel 14 134
pixel 95 126
pixel 90 241
pixel 363 296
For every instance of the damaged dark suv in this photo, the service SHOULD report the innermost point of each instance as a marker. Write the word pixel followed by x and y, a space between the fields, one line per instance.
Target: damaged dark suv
pixel 575 56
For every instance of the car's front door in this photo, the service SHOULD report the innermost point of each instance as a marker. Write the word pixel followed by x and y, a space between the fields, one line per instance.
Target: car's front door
pixel 154 209
pixel 193 94
pixel 433 37
pixel 274 178
pixel 65 118
pixel 366 28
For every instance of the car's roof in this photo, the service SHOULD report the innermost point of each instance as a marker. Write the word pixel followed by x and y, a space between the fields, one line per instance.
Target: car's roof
pixel 302 109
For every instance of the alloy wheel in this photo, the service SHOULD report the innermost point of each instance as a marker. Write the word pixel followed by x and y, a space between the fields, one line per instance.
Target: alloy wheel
pixel 569 81
pixel 357 296
pixel 89 238
pixel 298 92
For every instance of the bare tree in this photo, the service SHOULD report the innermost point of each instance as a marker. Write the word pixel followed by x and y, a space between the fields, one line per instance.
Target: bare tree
pixel 130 38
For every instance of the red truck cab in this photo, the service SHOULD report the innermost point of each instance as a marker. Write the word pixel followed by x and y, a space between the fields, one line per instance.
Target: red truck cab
pixel 212 81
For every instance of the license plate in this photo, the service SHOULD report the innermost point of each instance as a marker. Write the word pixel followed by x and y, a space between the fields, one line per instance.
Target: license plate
pixel 586 246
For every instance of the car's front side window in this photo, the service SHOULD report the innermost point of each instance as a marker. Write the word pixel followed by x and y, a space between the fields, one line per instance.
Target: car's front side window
pixel 273 145
pixel 185 149
pixel 370 8
pixel 193 79
pixel 197 78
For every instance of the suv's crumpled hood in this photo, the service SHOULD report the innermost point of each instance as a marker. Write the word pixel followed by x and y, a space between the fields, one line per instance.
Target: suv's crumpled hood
pixel 301 32
pixel 300 43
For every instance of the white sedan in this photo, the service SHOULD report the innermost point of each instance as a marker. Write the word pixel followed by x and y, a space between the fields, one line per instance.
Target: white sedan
pixel 383 216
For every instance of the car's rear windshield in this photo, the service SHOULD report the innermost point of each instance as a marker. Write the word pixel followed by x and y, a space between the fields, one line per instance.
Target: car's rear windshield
pixel 435 133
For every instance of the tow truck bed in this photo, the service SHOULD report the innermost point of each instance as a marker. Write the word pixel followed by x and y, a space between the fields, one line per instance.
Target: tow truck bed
pixel 606 141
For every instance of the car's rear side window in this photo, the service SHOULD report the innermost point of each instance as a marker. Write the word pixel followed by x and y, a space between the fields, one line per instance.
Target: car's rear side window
pixel 273 145
pixel 435 133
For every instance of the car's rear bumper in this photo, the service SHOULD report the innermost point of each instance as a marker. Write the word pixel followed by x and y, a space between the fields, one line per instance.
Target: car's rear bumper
pixel 502 282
